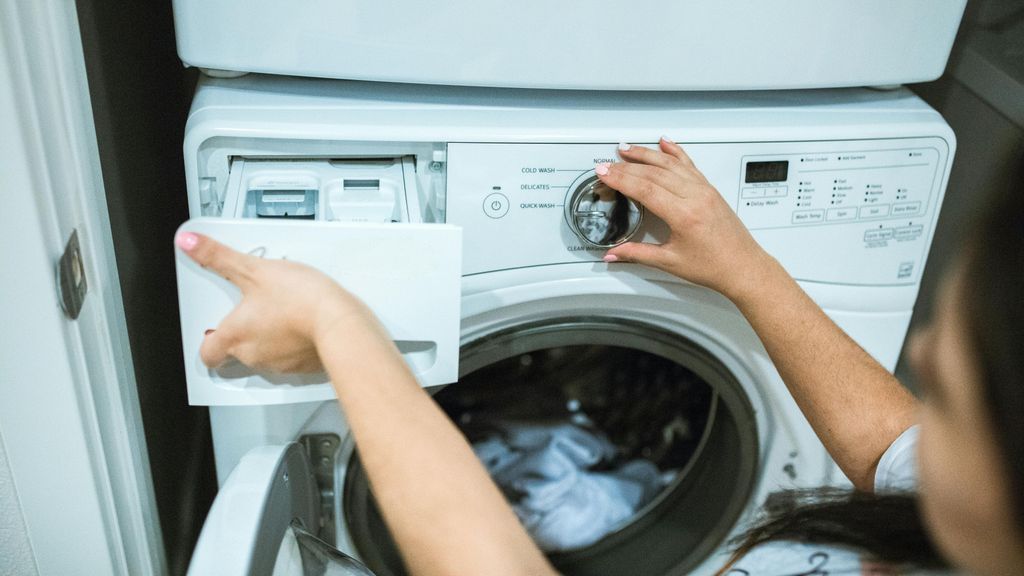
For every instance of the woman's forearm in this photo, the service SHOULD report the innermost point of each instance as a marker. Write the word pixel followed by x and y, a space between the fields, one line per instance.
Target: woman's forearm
pixel 441 506
pixel 856 406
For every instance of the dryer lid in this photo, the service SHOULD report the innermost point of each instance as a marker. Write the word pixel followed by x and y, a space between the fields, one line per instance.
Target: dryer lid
pixel 602 45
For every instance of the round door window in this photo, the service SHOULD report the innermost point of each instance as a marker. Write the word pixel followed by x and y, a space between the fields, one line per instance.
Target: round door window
pixel 622 448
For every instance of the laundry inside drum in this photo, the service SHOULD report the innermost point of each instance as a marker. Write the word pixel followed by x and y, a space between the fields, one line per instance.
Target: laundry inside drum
pixel 581 439
pixel 601 450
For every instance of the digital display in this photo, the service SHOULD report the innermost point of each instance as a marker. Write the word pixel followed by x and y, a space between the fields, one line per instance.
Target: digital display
pixel 776 171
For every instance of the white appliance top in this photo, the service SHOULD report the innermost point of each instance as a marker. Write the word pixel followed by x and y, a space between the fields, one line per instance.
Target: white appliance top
pixel 602 45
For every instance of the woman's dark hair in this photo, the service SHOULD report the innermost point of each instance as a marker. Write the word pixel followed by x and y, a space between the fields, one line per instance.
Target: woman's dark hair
pixel 888 527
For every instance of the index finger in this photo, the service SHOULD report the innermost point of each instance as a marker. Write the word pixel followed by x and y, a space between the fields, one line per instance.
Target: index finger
pixel 232 265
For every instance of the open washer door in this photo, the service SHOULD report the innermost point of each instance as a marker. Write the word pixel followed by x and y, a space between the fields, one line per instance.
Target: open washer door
pixel 258 524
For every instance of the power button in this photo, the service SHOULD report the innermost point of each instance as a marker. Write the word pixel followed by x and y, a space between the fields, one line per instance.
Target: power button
pixel 496 205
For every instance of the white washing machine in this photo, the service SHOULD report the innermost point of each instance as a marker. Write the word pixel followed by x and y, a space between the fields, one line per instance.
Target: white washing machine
pixel 457 211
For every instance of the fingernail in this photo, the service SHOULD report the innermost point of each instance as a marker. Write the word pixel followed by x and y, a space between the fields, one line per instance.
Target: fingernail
pixel 601 169
pixel 186 241
pixel 624 147
pixel 667 139
pixel 610 258
pixel 208 332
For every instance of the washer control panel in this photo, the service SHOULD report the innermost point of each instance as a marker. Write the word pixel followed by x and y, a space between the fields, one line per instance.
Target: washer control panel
pixel 854 212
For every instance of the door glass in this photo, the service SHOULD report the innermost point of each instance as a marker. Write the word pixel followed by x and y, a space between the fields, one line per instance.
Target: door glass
pixel 624 449
pixel 303 554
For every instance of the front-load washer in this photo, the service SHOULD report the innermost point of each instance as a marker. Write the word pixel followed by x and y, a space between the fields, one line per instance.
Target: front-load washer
pixel 464 204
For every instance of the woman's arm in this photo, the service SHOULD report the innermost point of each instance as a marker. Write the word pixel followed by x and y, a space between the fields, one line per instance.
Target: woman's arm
pixel 445 513
pixel 854 405
pixel 441 506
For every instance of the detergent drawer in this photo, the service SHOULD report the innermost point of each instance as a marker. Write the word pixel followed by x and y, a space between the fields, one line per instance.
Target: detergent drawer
pixel 408 274
pixel 382 190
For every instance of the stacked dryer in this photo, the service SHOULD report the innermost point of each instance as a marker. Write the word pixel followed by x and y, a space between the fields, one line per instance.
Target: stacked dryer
pixel 457 141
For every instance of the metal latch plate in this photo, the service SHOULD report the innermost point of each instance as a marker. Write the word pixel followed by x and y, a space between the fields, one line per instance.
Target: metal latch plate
pixel 71 283
pixel 323 450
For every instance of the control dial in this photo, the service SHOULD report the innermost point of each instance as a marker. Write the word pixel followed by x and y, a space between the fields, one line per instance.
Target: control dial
pixel 601 216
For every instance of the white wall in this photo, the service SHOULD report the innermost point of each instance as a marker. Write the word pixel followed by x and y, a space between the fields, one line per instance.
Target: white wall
pixel 14 545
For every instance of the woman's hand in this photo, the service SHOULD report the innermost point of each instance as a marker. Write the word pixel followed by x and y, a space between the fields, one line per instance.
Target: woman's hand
pixel 708 244
pixel 287 310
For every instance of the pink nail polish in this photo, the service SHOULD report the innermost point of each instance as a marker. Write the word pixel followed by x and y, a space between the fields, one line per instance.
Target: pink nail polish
pixel 186 241
pixel 610 258
pixel 601 169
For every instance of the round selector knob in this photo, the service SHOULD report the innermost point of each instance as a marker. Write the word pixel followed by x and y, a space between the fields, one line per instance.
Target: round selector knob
pixel 601 216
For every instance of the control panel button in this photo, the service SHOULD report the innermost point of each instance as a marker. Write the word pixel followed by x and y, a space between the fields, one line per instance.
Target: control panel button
pixel 909 232
pixel 840 214
pixel 808 216
pixel 879 211
pixel 496 205
pixel 906 209
pixel 765 192
pixel 878 235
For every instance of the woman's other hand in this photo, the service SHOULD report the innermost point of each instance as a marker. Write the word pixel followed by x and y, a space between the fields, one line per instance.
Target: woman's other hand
pixel 286 309
pixel 708 244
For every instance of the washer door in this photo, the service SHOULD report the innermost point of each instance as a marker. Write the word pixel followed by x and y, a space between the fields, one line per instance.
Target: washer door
pixel 258 523
pixel 655 394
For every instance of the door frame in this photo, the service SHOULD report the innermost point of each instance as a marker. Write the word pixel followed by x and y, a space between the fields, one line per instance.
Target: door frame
pixel 70 424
